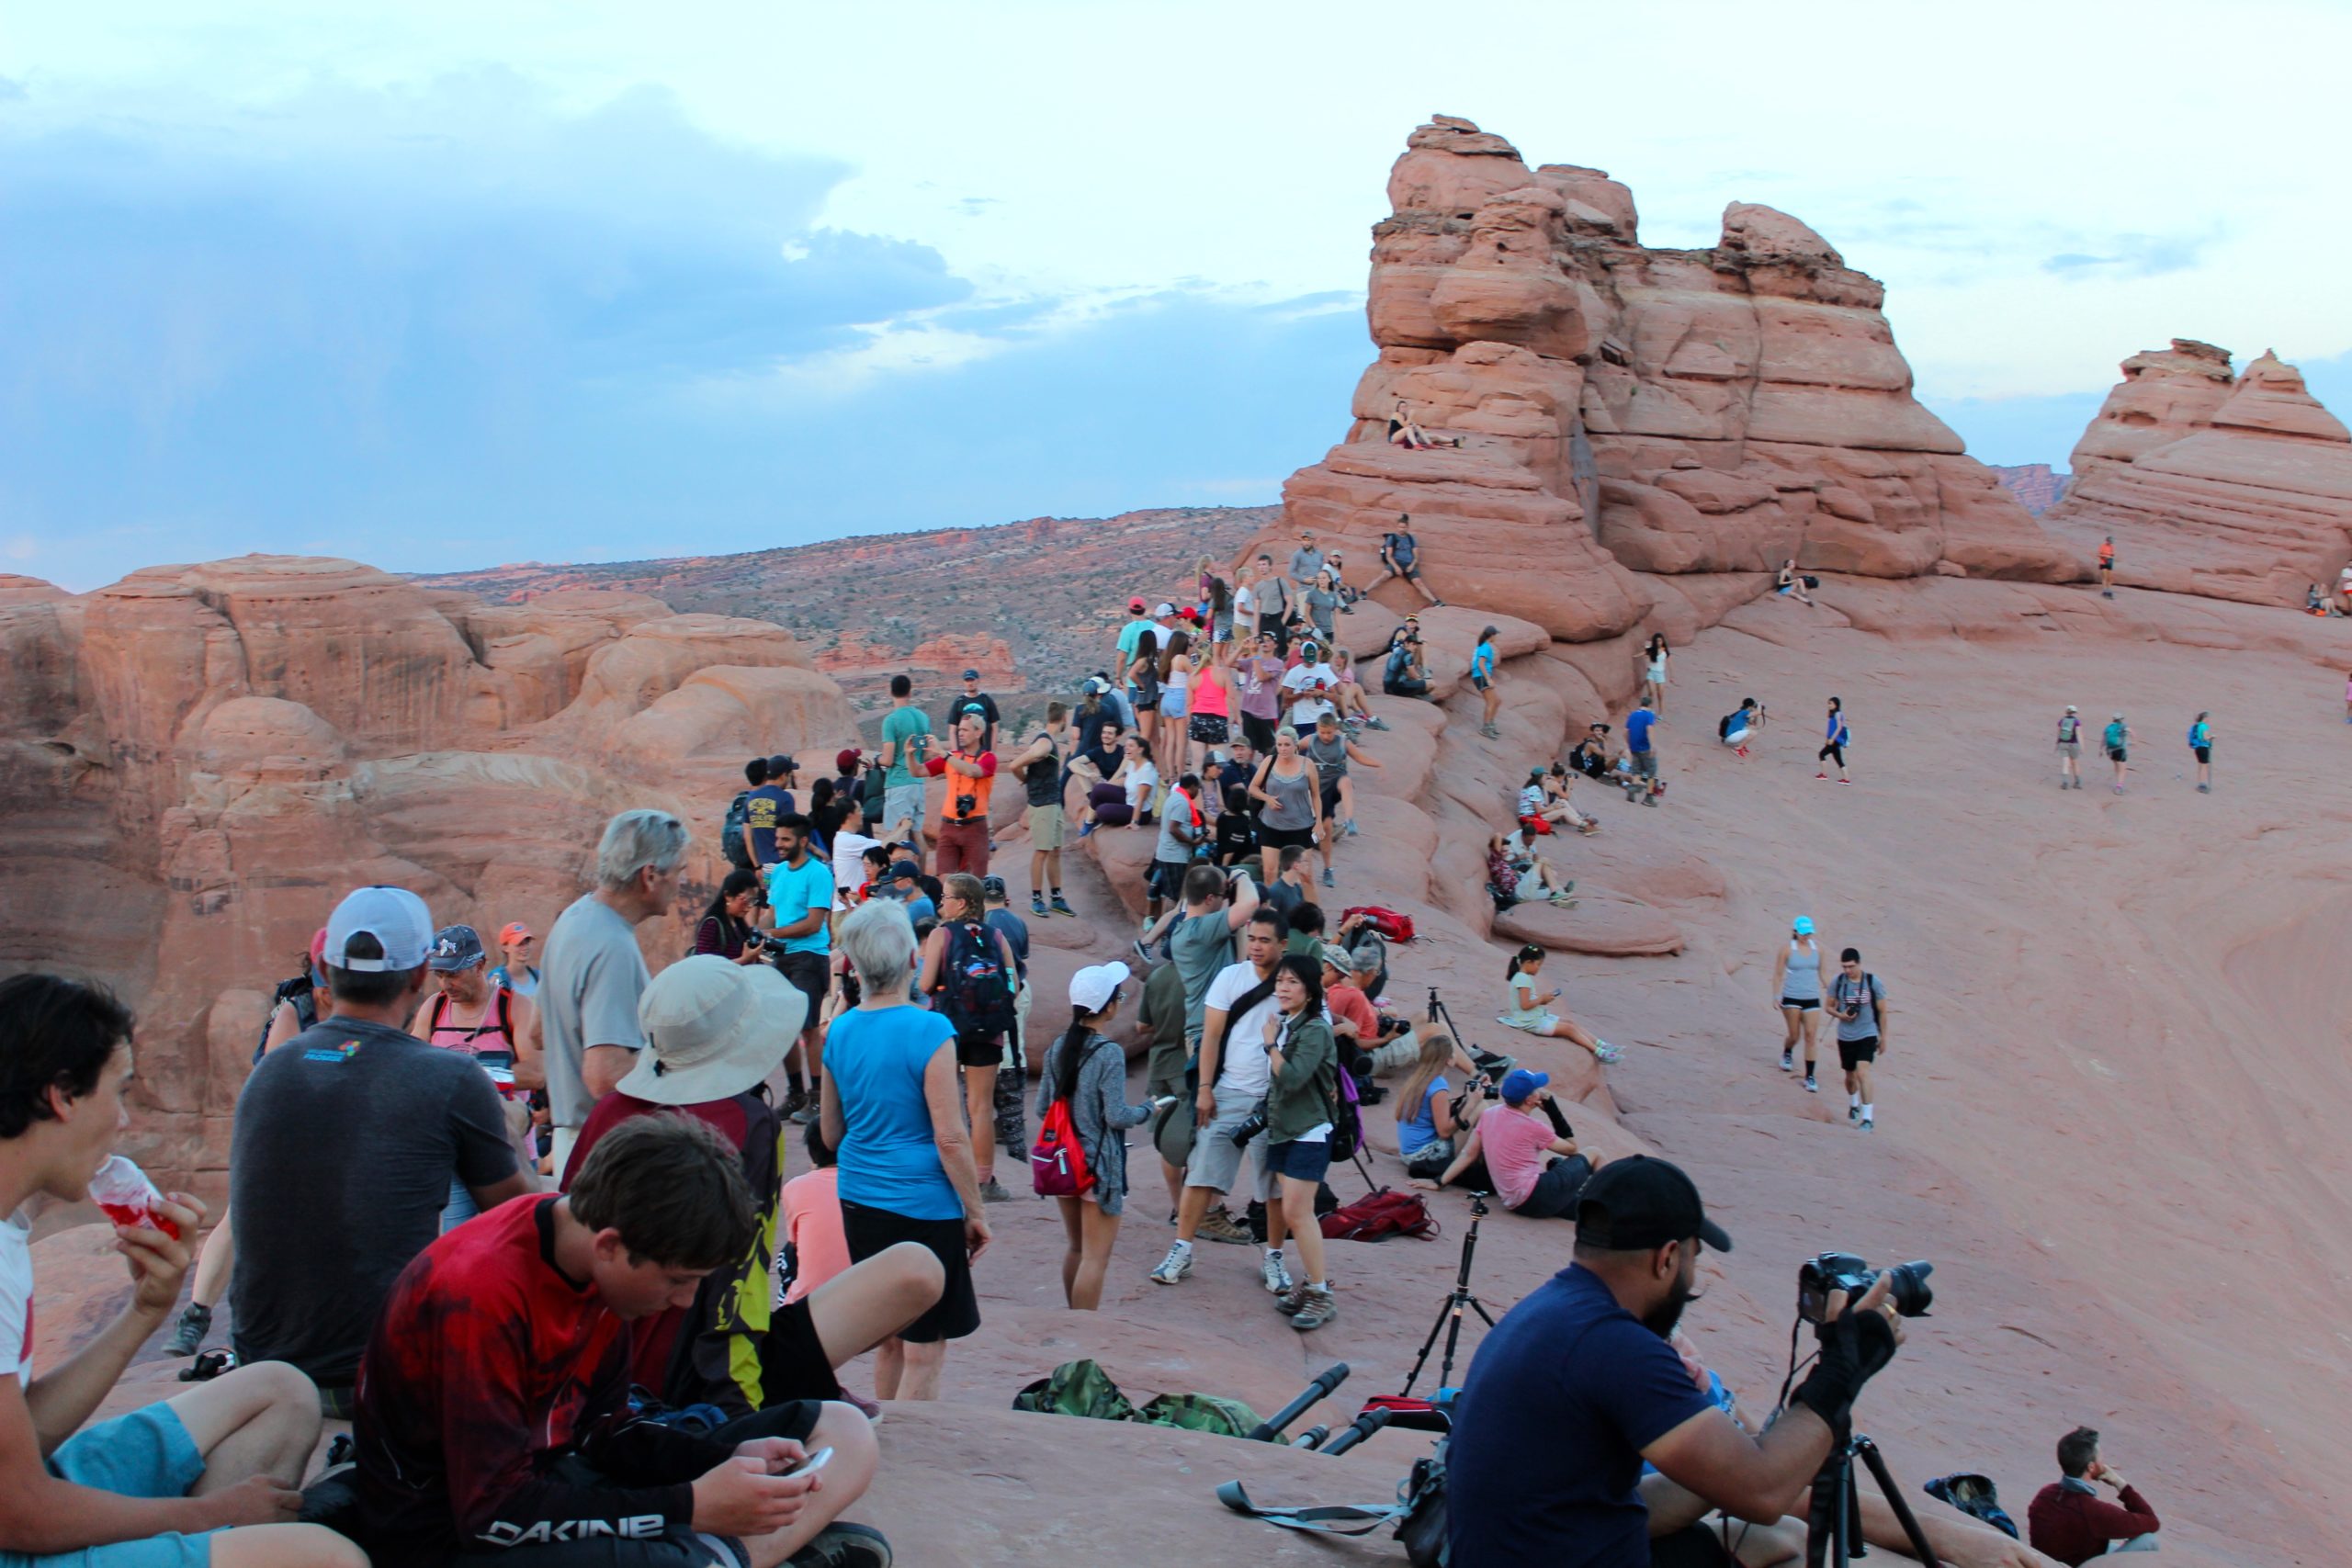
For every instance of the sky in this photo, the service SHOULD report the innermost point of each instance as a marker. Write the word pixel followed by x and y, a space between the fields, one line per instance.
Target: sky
pixel 442 286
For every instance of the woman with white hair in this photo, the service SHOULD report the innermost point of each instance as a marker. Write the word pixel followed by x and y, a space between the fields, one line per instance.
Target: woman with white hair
pixel 894 1114
pixel 592 973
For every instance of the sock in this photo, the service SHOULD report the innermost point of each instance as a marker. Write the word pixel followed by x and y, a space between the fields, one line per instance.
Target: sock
pixel 799 1085
pixel 1866 1112
pixel 1852 1099
pixel 1273 1252
pixel 1324 1285
pixel 1184 1245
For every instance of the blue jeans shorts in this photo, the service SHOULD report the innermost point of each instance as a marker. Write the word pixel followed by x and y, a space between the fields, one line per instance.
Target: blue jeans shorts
pixel 147 1453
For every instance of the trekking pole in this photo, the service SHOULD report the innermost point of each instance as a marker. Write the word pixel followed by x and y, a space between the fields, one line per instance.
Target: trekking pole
pixel 1321 1388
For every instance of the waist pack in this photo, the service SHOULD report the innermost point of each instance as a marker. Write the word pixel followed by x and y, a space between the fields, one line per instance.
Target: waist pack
pixel 1417 1516
pixel 1388 922
pixel 1084 1388
pixel 1379 1214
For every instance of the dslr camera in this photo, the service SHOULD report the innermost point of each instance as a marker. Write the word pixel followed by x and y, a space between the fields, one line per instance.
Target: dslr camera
pixel 966 805
pixel 1830 1271
pixel 1249 1129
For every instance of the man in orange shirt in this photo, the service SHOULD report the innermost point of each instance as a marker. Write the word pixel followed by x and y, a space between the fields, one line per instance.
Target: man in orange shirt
pixel 970 770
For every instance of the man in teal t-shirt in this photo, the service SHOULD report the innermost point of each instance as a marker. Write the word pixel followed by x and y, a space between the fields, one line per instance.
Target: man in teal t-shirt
pixel 906 742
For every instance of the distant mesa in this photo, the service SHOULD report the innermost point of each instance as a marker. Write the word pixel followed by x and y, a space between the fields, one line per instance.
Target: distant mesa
pixel 2231 486
pixel 1626 409
pixel 2036 486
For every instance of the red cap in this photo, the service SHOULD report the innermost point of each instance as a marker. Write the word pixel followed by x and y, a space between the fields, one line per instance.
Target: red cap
pixel 1135 605
pixel 846 759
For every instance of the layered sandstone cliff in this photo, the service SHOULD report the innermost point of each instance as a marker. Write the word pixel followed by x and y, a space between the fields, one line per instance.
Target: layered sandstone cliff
pixel 2231 486
pixel 197 761
pixel 1620 407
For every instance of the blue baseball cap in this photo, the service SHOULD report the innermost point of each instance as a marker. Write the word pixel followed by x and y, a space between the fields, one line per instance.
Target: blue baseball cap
pixel 1804 925
pixel 1521 1082
pixel 455 948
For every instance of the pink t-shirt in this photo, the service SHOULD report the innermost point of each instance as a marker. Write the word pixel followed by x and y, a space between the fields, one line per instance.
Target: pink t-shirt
pixel 1518 1147
pixel 813 1225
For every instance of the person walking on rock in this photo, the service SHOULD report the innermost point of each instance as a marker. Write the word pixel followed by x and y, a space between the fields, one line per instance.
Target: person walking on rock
pixel 2117 742
pixel 1641 752
pixel 1482 676
pixel 2106 568
pixel 1858 1001
pixel 1833 747
pixel 1796 980
pixel 2200 746
pixel 2070 748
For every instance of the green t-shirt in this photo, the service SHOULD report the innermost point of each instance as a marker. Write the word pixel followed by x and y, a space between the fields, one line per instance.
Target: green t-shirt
pixel 903 725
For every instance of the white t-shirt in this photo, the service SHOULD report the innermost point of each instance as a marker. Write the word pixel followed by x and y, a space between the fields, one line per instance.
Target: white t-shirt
pixel 17 1296
pixel 1245 605
pixel 1243 1070
pixel 1143 779
pixel 849 859
pixel 1308 705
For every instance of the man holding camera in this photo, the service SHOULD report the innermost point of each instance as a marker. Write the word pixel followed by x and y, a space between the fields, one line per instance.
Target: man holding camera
pixel 2070 1522
pixel 971 769
pixel 1578 1385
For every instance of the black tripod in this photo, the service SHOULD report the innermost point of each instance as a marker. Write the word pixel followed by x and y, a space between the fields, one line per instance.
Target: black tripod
pixel 1449 1316
pixel 1832 1526
pixel 1439 1012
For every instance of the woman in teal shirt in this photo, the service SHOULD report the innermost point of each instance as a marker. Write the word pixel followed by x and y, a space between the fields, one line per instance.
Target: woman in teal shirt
pixel 1482 675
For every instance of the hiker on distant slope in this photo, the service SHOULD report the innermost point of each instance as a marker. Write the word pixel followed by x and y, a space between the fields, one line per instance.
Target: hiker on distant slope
pixel 2070 748
pixel 2117 742
pixel 1797 982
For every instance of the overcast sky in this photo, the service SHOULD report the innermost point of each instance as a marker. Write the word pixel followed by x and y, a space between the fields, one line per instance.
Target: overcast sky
pixel 454 284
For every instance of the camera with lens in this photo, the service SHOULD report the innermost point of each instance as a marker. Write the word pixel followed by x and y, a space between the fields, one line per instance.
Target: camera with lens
pixel 1249 1128
pixel 755 939
pixel 966 804
pixel 1832 1271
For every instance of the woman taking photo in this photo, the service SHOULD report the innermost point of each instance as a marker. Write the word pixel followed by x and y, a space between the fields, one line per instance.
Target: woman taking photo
pixel 1653 659
pixel 1530 1008
pixel 961 939
pixel 1302 1098
pixel 1426 1127
pixel 726 926
pixel 891 1111
pixel 1287 788
pixel 1089 1073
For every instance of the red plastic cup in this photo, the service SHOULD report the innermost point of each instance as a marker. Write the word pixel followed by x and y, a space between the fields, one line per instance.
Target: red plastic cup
pixel 122 1190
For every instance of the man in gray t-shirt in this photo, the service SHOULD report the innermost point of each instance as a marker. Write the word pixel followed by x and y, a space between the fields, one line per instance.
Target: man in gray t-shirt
pixel 1201 940
pixel 593 973
pixel 1858 1001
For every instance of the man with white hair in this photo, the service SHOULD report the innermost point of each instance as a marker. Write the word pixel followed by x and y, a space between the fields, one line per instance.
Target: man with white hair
pixel 592 974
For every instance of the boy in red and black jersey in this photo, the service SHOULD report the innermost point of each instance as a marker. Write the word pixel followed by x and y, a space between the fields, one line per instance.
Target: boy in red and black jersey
pixel 493 1406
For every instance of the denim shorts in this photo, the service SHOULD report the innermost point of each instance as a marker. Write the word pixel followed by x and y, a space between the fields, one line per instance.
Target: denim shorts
pixel 1301 1159
pixel 147 1453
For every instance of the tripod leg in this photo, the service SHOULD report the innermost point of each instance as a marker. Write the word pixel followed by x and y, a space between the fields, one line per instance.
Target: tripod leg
pixel 1480 1308
pixel 1444 1314
pixel 1821 1524
pixel 1902 1514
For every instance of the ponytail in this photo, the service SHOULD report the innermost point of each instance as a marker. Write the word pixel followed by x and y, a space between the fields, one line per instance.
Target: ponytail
pixel 1073 1053
pixel 1531 950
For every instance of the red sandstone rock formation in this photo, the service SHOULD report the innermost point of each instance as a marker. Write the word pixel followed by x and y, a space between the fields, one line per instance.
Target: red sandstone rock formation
pixel 2037 487
pixel 196 762
pixel 2233 487
pixel 1622 407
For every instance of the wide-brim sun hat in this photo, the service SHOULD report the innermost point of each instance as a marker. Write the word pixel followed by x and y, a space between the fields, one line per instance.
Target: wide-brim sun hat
pixel 714 1029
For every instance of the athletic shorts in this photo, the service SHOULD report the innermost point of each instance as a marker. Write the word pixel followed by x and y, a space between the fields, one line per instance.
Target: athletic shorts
pixel 1480 681
pixel 979 1050
pixel 1330 792
pixel 2070 747
pixel 147 1453
pixel 2204 753
pixel 1301 1159
pixel 1258 732
pixel 956 1313
pixel 1216 1160
pixel 1803 1004
pixel 2118 754
pixel 810 975
pixel 1852 1054
pixel 1272 837
pixel 1646 763
pixel 1046 828
pixel 793 1365
pixel 903 800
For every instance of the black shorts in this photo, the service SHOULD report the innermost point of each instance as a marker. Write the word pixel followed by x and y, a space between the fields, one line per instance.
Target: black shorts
pixel 1696 1546
pixel 793 1365
pixel 1271 838
pixel 1852 1054
pixel 1258 732
pixel 1479 680
pixel 978 1050
pixel 1330 791
pixel 809 974
pixel 956 1313
pixel 2118 754
pixel 1806 1004
pixel 2204 753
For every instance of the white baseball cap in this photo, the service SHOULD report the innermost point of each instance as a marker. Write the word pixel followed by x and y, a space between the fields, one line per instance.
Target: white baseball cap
pixel 1091 990
pixel 395 916
pixel 1163 610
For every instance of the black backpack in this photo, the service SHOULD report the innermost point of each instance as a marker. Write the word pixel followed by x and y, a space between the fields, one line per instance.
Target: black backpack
pixel 731 831
pixel 305 1010
pixel 976 991
pixel 1417 1516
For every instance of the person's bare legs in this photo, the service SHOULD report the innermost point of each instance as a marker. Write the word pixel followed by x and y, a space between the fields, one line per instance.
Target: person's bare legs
pixel 1191 1208
pixel 868 1303
pixel 258 1420
pixel 1277 1224
pixel 921 1363
pixel 1576 1034
pixel 1099 1234
pixel 842 1482
pixel 1347 797
pixel 1812 1036
pixel 1074 1247
pixel 284 1546
pixel 1790 1022
pixel 890 1366
pixel 1174 1174
pixel 1494 696
pixel 1297 1210
pixel 979 1110
pixel 1270 861
pixel 214 1264
pixel 1764 1546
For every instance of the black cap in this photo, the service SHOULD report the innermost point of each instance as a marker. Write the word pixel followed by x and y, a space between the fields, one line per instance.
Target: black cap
pixel 780 765
pixel 1639 1202
pixel 993 887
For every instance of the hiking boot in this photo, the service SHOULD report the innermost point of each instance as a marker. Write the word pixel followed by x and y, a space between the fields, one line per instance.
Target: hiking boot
pixel 1290 1301
pixel 1061 905
pixel 1037 904
pixel 188 1335
pixel 1176 1265
pixel 992 1191
pixel 844 1545
pixel 1219 1225
pixel 1316 1308
pixel 795 1103
pixel 1277 1273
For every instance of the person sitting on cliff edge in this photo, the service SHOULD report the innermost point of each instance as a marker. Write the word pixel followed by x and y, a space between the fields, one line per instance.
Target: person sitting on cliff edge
pixel 207 1477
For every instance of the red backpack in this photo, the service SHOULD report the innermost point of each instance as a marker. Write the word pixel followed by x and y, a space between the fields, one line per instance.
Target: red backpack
pixel 1058 1166
pixel 1388 922
pixel 1379 1214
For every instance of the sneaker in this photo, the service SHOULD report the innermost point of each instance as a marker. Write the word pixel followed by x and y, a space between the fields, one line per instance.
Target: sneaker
pixel 1649 800
pixel 1821 775
pixel 1219 1225
pixel 1316 1308
pixel 992 1191
pixel 1866 1124
pixel 805 1115
pixel 1277 1273
pixel 1788 1061
pixel 2204 789
pixel 1377 723
pixel 1351 828
pixel 1605 1052
pixel 1326 878
pixel 1141 951
pixel 1853 1113
pixel 1562 900
pixel 844 1545
pixel 1037 906
pixel 1739 751
pixel 1175 1266
pixel 1845 781
pixel 1290 1301
pixel 795 1103
pixel 1490 732
pixel 1061 905
pixel 1084 829
pixel 1811 1087
pixel 188 1335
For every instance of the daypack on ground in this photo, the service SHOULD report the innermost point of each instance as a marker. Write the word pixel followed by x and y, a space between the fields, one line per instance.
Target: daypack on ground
pixel 1388 922
pixel 731 831
pixel 1379 1214
pixel 1417 1514
pixel 1347 1119
pixel 1084 1388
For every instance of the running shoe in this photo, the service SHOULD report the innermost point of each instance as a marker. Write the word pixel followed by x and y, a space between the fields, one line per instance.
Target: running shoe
pixel 1811 1087
pixel 1316 1308
pixel 795 1103
pixel 1845 781
pixel 1821 775
pixel 1326 878
pixel 1867 1124
pixel 844 1545
pixel 1084 829
pixel 1061 905
pixel 1788 1061
pixel 1853 1113
pixel 1351 828
pixel 1377 723
pixel 1037 906
pixel 1141 951
pixel 1277 1273
pixel 1605 1052
pixel 1219 1225
pixel 1175 1266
